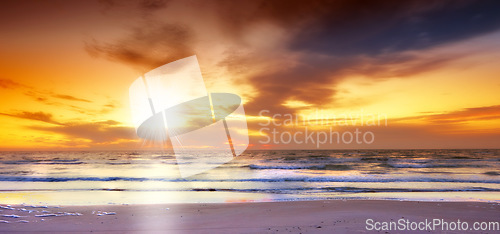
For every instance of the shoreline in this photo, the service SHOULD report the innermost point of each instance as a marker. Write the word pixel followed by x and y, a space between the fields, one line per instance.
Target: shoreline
pixel 318 216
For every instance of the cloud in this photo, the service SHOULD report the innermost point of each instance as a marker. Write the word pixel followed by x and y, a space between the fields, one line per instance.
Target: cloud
pixel 69 97
pixel 41 96
pixel 144 5
pixel 37 116
pixel 378 40
pixel 9 84
pixel 363 27
pixel 308 48
pixel 402 64
pixel 312 79
pixel 97 132
pixel 460 116
pixel 151 5
pixel 147 47
pixel 47 98
pixel 350 27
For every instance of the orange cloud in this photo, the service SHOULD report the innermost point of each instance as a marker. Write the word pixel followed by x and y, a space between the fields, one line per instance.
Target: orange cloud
pixel 69 97
pixel 38 116
pixel 460 116
pixel 9 84
pixel 96 132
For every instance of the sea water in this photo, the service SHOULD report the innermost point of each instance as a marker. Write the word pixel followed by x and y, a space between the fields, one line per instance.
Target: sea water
pixel 147 177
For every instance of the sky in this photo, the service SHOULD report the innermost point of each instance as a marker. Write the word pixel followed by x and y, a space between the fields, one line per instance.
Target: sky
pixel 428 69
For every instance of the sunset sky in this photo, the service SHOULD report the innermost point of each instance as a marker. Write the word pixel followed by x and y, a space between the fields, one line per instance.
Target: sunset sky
pixel 431 67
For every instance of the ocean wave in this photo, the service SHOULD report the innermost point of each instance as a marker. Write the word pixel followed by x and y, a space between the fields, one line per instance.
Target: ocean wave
pixel 48 162
pixel 288 190
pixel 345 189
pixel 118 163
pixel 424 165
pixel 333 167
pixel 338 166
pixel 492 173
pixel 353 179
pixel 406 190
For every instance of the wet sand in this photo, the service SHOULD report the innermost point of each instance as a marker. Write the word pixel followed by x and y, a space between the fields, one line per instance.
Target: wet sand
pixel 331 216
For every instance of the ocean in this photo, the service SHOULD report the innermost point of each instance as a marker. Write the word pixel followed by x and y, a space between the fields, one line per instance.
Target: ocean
pixel 147 177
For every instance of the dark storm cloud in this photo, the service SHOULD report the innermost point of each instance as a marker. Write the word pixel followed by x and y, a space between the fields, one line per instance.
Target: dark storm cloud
pixel 349 27
pixel 362 37
pixel 374 27
pixel 329 40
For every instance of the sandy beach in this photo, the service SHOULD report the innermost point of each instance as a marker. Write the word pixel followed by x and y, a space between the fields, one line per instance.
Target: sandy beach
pixel 330 216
